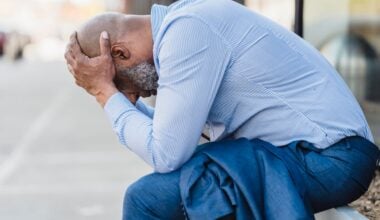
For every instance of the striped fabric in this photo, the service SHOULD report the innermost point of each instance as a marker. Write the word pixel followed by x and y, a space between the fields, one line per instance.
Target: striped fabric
pixel 241 75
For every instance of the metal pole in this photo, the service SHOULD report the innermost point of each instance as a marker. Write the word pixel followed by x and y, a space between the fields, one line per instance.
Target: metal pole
pixel 298 19
pixel 240 1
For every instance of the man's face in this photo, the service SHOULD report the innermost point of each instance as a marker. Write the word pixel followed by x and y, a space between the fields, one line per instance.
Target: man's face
pixel 139 80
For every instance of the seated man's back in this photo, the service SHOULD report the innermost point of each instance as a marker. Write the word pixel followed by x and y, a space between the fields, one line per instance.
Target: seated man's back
pixel 273 86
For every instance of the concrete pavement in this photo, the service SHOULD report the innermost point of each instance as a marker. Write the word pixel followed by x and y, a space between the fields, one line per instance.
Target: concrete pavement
pixel 59 158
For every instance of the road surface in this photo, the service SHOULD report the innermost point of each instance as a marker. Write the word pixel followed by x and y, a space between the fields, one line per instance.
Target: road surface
pixel 59 158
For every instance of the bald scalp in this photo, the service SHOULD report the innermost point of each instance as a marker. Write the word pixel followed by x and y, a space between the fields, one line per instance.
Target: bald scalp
pixel 116 24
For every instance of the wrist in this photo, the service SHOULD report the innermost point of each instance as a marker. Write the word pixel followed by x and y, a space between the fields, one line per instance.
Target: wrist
pixel 106 93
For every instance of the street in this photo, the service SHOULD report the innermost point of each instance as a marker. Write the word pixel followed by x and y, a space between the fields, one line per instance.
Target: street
pixel 59 158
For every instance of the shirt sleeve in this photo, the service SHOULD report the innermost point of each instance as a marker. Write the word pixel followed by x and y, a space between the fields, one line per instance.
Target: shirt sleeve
pixel 147 110
pixel 192 60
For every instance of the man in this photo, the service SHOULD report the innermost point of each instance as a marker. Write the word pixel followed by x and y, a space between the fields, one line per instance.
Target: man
pixel 218 64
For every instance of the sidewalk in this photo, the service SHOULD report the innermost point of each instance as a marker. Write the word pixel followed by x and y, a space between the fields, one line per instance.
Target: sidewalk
pixel 59 158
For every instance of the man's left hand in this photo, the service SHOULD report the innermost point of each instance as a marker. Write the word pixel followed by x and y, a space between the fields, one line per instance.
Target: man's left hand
pixel 96 74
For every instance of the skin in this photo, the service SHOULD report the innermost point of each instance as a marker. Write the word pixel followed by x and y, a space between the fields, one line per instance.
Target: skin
pixel 104 46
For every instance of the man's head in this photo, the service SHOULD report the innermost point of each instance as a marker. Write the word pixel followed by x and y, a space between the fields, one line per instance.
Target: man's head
pixel 131 49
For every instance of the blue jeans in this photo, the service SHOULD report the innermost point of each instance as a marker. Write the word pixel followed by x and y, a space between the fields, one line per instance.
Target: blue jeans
pixel 331 177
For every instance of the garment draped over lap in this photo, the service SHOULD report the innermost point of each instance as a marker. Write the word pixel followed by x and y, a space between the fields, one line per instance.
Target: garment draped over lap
pixel 233 176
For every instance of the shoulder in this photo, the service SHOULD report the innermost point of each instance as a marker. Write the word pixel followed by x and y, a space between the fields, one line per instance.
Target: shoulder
pixel 188 28
pixel 189 14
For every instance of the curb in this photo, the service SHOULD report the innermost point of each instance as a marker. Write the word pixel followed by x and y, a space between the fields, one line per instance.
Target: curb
pixel 340 213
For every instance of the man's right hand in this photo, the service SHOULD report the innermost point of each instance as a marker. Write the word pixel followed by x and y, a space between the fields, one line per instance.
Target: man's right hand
pixel 96 74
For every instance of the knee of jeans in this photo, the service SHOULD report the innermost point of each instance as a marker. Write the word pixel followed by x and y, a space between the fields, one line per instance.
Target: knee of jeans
pixel 136 192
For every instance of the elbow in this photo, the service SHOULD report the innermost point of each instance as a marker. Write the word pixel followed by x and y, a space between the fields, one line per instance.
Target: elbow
pixel 167 166
pixel 166 169
pixel 170 158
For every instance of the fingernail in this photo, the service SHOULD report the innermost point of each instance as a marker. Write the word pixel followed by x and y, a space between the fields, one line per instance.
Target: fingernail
pixel 104 35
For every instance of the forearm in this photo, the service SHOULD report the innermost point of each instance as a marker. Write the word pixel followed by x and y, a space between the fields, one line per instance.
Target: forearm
pixel 105 94
pixel 164 150
pixel 130 125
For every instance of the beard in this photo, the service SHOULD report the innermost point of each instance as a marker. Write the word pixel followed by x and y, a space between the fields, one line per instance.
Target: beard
pixel 144 76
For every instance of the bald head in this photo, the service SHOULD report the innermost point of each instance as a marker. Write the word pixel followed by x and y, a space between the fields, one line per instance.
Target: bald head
pixel 117 25
pixel 131 49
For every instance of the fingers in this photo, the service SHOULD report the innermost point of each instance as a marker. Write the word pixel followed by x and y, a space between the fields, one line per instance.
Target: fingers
pixel 105 45
pixel 73 52
pixel 70 59
pixel 79 81
pixel 71 69
pixel 74 45
pixel 68 53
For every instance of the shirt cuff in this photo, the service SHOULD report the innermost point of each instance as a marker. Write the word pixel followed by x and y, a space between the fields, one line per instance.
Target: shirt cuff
pixel 116 105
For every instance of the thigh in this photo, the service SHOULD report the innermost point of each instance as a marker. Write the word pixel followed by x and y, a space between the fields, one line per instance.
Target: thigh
pixel 155 196
pixel 327 186
pixel 337 175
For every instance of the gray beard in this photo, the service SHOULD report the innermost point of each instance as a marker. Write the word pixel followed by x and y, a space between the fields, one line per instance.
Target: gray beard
pixel 143 76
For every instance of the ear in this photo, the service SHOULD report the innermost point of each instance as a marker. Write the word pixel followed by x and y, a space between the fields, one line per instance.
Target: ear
pixel 120 52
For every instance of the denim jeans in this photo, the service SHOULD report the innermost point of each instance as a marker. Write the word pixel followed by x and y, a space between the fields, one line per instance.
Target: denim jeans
pixel 329 178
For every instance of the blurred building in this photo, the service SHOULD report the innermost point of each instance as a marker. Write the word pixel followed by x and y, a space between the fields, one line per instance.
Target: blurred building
pixel 39 29
pixel 348 35
pixel 281 11
pixel 142 6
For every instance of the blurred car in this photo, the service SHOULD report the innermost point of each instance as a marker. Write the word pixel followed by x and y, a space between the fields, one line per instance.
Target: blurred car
pixel 14 46
pixel 2 42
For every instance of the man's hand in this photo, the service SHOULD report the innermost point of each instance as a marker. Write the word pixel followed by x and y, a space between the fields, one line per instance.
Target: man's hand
pixel 96 74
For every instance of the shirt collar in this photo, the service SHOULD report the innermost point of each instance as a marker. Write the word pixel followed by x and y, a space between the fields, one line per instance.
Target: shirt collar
pixel 158 13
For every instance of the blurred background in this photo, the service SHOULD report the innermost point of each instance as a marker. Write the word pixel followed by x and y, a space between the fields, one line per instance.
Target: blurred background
pixel 59 158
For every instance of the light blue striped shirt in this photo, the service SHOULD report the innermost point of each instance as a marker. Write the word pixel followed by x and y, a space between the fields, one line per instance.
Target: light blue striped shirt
pixel 241 75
